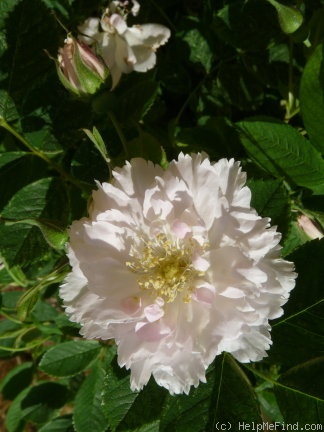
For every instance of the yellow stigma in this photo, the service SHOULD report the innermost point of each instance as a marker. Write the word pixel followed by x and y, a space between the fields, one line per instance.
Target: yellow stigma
pixel 165 268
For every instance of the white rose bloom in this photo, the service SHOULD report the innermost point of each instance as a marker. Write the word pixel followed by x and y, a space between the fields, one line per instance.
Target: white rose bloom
pixel 177 267
pixel 123 48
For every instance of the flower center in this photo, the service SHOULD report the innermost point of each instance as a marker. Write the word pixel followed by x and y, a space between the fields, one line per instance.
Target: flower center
pixel 164 268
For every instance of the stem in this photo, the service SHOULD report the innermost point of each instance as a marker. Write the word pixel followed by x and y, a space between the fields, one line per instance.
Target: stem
pixel 186 102
pixel 165 16
pixel 119 131
pixel 10 317
pixel 291 105
pixel 261 375
pixel 201 82
pixel 40 154
pixel 6 126
pixel 279 384
pixel 25 348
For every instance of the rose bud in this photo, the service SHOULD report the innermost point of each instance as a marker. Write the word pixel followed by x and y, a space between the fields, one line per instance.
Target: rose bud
pixel 79 69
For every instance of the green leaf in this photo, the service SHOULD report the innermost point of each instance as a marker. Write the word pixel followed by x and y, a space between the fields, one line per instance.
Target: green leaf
pixel 88 165
pixel 43 140
pixel 296 237
pixel 283 152
pixel 29 69
pixel 304 377
pixel 8 110
pixel 227 398
pixel 152 397
pixel 312 98
pixel 59 424
pixel 16 380
pixel 239 86
pixel 37 404
pixel 69 358
pixel 268 403
pixel 298 335
pixel 238 24
pixel 29 167
pixel 42 401
pixel 88 411
pixel 192 34
pixel 20 246
pixel 235 398
pixel 60 6
pixel 137 98
pixel 55 235
pixel 300 393
pixel 39 202
pixel 45 312
pixel 133 100
pixel 68 327
pixel 14 416
pixel 217 133
pixel 6 6
pixel 152 427
pixel 99 143
pixel 44 198
pixel 147 146
pixel 117 395
pixel 270 199
pixel 9 299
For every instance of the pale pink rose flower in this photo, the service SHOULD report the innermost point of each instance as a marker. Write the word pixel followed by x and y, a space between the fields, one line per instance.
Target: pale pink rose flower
pixel 177 267
pixel 124 49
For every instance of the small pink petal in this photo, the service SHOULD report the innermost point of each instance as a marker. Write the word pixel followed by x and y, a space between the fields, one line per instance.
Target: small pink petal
pixel 153 312
pixel 180 229
pixel 200 263
pixel 204 295
pixel 232 292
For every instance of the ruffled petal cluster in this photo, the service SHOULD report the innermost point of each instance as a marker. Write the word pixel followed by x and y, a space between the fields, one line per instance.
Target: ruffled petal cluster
pixel 124 49
pixel 177 267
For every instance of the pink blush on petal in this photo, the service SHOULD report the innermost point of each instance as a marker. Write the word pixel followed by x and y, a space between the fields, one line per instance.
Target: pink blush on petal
pixel 151 332
pixel 181 229
pixel 131 305
pixel 204 295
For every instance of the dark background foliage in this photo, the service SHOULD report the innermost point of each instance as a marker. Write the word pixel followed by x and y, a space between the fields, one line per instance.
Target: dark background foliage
pixel 241 79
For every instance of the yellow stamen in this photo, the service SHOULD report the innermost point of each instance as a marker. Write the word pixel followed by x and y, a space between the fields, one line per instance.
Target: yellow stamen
pixel 165 268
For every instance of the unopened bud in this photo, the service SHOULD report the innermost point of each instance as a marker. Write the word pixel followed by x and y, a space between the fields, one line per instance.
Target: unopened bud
pixel 290 18
pixel 308 226
pixel 79 69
